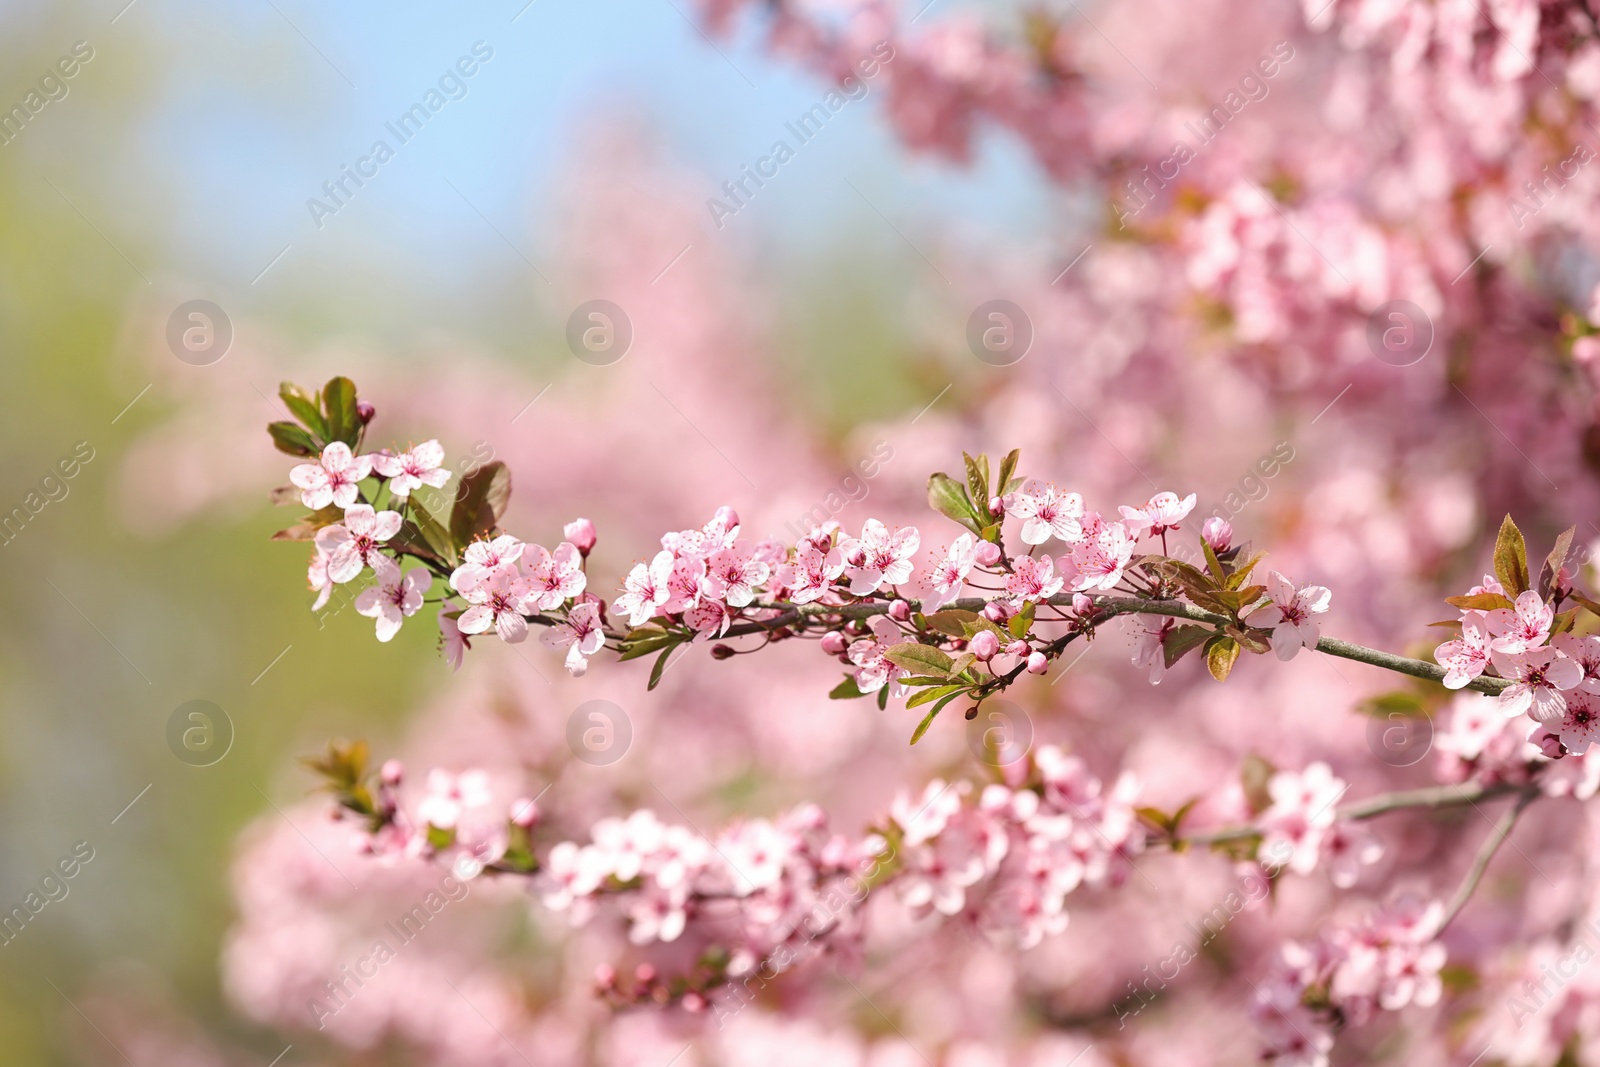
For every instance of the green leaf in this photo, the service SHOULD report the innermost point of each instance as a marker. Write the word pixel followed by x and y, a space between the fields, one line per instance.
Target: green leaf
pixel 962 662
pixel 1008 467
pixel 927 720
pixel 952 621
pixel 287 437
pixel 339 409
pixel 1221 654
pixel 645 640
pixel 303 406
pixel 846 690
pixel 978 482
pixel 1511 559
pixel 928 696
pixel 1564 622
pixel 1237 578
pixel 1592 607
pixel 1479 602
pixel 1213 564
pixel 883 697
pixel 481 501
pixel 1553 562
pixel 434 535
pixel 950 500
pixel 918 659
pixel 1022 621
pixel 1254 774
pixel 660 665
pixel 1181 641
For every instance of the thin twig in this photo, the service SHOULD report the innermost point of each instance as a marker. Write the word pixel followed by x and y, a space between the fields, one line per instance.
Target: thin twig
pixel 1486 851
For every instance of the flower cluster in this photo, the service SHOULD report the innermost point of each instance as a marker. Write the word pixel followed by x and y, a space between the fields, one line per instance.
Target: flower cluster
pixel 1387 961
pixel 1553 675
pixel 1303 828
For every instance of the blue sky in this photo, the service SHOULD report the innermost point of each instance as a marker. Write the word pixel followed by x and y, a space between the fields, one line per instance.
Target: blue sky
pixel 258 102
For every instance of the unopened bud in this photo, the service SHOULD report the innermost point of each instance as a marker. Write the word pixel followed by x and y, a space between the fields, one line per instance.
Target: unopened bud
pixel 365 411
pixel 1017 648
pixel 392 771
pixel 605 976
pixel 1038 663
pixel 1082 604
pixel 987 554
pixel 524 812
pixel 581 533
pixel 984 644
pixel 900 611
pixel 722 652
pixel 996 611
pixel 972 713
pixel 694 1003
pixel 997 505
pixel 727 516
pixel 833 643
pixel 1218 533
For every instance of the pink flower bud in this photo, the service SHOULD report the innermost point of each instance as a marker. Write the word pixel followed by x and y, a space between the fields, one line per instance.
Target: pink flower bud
pixel 391 773
pixel 605 976
pixel 722 652
pixel 581 533
pixel 1038 663
pixel 1017 648
pixel 694 1002
pixel 1548 743
pixel 900 611
pixel 1082 604
pixel 727 516
pixel 987 554
pixel 834 643
pixel 365 411
pixel 997 505
pixel 997 611
pixel 984 644
pixel 1218 533
pixel 524 812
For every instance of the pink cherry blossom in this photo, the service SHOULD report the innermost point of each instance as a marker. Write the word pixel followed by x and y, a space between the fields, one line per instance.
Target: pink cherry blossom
pixel 451 796
pixel 1585 652
pixel 1289 616
pixel 867 654
pixel 878 558
pixel 317 578
pixel 1301 814
pixel 645 589
pixel 357 542
pixel 1098 561
pixel 332 479
pixel 554 577
pixel 1580 724
pixel 580 635
pixel 1540 677
pixel 1150 647
pixel 1032 579
pixel 453 641
pixel 733 575
pixel 482 558
pixel 1528 626
pixel 582 534
pixel 683 584
pixel 1163 512
pixel 499 600
pixel 1217 532
pixel 394 598
pixel 1046 512
pixel 812 573
pixel 412 469
pixel 1468 657
pixel 951 572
